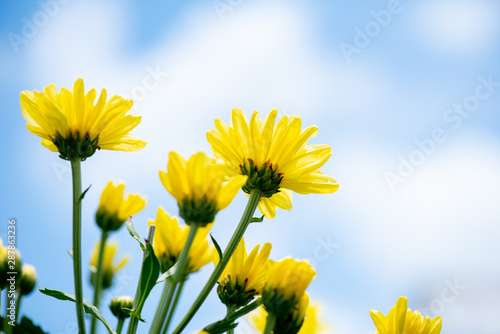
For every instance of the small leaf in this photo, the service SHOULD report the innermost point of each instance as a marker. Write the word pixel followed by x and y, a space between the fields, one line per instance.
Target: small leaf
pixel 217 247
pixel 133 232
pixel 83 194
pixel 70 252
pixel 257 220
pixel 167 273
pixel 88 307
pixel 149 274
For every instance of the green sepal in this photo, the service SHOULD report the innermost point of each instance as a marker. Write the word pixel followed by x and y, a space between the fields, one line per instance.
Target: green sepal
pixel 217 247
pixel 88 307
pixel 133 233
pixel 129 311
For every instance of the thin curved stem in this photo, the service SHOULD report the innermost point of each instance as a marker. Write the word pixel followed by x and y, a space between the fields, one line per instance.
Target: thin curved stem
pixel 245 220
pixel 174 305
pixel 177 277
pixel 98 279
pixel 77 240
pixel 119 327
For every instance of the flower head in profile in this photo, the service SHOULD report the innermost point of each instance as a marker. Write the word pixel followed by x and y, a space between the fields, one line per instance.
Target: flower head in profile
pixel 109 268
pixel 75 125
pixel 275 157
pixel 401 320
pixel 244 276
pixel 115 209
pixel 6 259
pixel 286 284
pixel 199 186
pixel 27 282
pixel 118 303
pixel 169 240
pixel 304 319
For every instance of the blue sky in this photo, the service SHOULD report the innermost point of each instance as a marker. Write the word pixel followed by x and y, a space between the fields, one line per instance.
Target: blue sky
pixel 411 115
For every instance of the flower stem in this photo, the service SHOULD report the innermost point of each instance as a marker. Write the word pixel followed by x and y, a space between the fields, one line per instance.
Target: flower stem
pixel 77 240
pixel 8 328
pixel 18 305
pixel 120 325
pixel 230 311
pixel 134 319
pixel 177 277
pixel 235 315
pixel 98 279
pixel 174 305
pixel 163 306
pixel 271 321
pixel 245 220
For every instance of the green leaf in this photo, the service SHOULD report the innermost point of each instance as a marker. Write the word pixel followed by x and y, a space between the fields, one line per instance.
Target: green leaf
pixel 83 194
pixel 167 273
pixel 26 326
pixel 133 232
pixel 219 251
pixel 149 274
pixel 88 307
pixel 257 220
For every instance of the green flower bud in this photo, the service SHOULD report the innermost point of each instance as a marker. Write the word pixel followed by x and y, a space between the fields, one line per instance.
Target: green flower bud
pixel 10 261
pixel 27 281
pixel 118 303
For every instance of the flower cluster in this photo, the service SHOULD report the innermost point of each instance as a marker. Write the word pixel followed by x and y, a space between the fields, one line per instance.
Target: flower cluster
pixel 267 159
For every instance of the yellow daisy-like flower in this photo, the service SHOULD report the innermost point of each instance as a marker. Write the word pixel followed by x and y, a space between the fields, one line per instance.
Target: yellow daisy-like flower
pixel 275 157
pixel 108 268
pixel 401 320
pixel 286 284
pixel 115 209
pixel 244 276
pixel 169 241
pixel 72 123
pixel 304 319
pixel 198 186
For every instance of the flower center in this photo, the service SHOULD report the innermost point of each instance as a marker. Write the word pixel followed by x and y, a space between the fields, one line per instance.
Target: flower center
pixel 265 179
pixel 201 212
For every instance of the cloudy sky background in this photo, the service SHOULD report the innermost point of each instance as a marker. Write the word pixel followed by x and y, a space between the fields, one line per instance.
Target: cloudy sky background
pixel 431 233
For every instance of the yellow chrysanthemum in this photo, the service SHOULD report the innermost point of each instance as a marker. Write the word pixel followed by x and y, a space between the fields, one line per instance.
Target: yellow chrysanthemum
pixel 401 320
pixel 305 318
pixel 275 157
pixel 198 186
pixel 169 241
pixel 115 209
pixel 286 284
pixel 244 276
pixel 72 123
pixel 108 268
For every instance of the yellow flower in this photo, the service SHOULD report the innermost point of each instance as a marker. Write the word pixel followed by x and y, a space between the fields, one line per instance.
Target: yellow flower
pixel 304 319
pixel 287 282
pixel 27 282
pixel 198 186
pixel 275 157
pixel 73 124
pixel 108 268
pixel 401 320
pixel 169 241
pixel 244 276
pixel 114 209
pixel 118 303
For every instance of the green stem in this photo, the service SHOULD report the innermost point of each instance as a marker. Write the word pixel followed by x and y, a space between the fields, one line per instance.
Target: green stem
pixel 18 305
pixel 98 279
pixel 174 305
pixel 230 310
pixel 77 240
pixel 134 319
pixel 163 306
pixel 232 317
pixel 177 277
pixel 271 321
pixel 245 220
pixel 120 325
pixel 8 329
